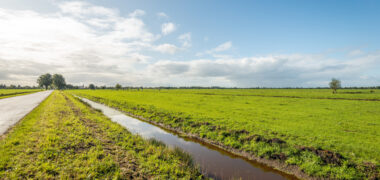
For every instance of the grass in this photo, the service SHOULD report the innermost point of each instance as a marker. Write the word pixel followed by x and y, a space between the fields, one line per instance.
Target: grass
pixel 6 93
pixel 359 94
pixel 65 139
pixel 324 136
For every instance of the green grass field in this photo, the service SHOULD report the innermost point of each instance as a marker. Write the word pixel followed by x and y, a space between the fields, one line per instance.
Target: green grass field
pixel 360 94
pixel 5 93
pixel 65 139
pixel 325 134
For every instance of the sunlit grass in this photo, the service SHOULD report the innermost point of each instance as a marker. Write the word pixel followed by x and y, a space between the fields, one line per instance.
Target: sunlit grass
pixel 236 118
pixel 5 93
pixel 65 139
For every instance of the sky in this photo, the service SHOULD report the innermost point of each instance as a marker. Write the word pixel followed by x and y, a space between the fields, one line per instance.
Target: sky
pixel 191 42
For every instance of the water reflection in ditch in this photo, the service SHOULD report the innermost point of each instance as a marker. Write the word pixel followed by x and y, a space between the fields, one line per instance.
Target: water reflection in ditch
pixel 214 162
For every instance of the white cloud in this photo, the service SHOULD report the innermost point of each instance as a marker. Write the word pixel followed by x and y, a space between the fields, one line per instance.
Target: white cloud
pixel 166 48
pixel 131 28
pixel 220 48
pixel 168 28
pixel 162 15
pixel 268 71
pixel 82 9
pixel 78 39
pixel 94 44
pixel 170 67
pixel 137 12
pixel 355 52
pixel 185 39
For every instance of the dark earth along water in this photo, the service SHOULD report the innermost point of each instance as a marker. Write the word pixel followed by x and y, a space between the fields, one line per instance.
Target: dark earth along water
pixel 214 162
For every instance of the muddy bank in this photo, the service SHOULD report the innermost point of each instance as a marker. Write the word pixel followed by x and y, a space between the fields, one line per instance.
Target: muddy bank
pixel 291 170
pixel 276 162
pixel 314 161
pixel 215 162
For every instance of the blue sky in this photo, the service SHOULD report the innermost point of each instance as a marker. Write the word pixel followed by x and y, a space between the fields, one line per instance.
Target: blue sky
pixel 226 43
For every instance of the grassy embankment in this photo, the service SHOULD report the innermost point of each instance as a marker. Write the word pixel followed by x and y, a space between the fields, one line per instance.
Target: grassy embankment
pixel 64 138
pixel 332 138
pixel 6 93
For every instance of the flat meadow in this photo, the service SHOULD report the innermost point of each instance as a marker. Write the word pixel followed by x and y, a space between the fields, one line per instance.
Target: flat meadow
pixel 324 134
pixel 64 138
pixel 5 93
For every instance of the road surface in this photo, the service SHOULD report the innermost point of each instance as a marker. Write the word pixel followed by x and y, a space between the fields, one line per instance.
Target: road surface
pixel 15 108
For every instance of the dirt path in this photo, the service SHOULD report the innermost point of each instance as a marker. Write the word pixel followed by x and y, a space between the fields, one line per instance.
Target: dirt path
pixel 15 108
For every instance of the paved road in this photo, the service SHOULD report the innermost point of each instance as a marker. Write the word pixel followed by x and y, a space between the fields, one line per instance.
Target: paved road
pixel 15 108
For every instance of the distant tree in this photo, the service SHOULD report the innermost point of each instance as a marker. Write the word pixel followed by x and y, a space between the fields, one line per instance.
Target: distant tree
pixel 58 81
pixel 335 84
pixel 91 86
pixel 118 86
pixel 44 80
pixel 69 86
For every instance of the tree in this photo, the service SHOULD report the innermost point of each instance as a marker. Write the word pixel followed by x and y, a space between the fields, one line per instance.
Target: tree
pixel 70 86
pixel 44 80
pixel 118 86
pixel 335 84
pixel 91 86
pixel 59 81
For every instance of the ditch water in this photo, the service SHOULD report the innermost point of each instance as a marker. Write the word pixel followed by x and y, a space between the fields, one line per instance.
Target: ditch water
pixel 214 162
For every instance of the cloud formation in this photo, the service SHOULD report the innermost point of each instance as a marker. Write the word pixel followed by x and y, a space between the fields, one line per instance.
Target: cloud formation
pixel 168 28
pixel 220 48
pixel 185 39
pixel 162 15
pixel 80 38
pixel 94 44
pixel 137 13
pixel 167 48
pixel 270 71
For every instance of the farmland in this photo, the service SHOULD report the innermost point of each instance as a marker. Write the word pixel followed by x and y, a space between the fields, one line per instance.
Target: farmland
pixel 354 94
pixel 5 93
pixel 324 134
pixel 63 138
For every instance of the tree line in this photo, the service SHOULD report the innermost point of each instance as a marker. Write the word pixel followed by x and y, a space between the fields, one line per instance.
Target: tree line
pixel 334 84
pixel 12 86
pixel 57 81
